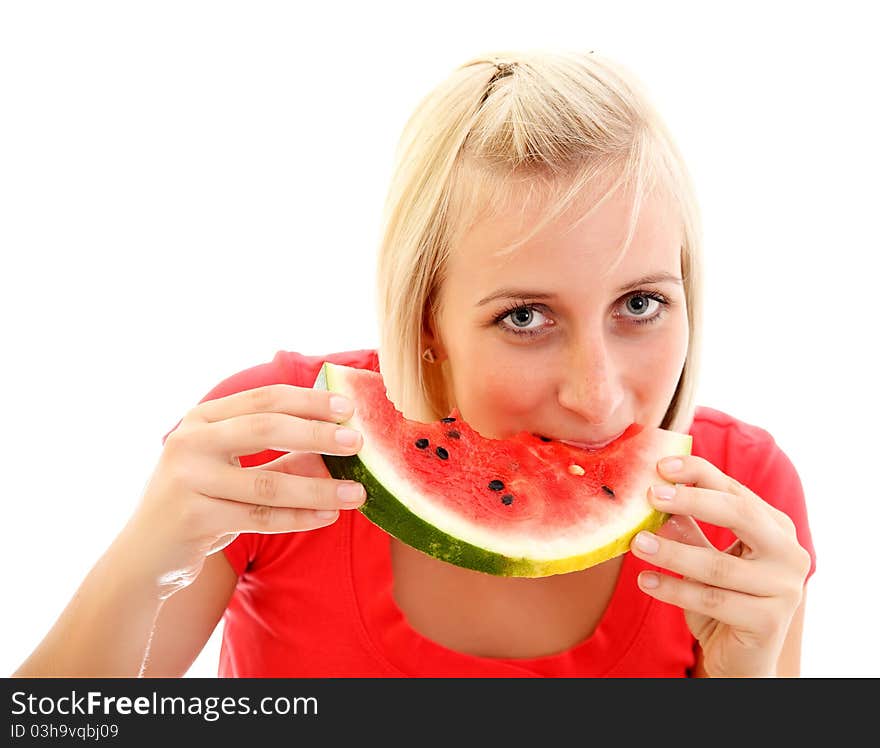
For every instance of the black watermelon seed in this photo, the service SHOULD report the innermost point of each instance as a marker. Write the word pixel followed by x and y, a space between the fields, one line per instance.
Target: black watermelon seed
pixel 496 485
pixel 608 490
pixel 453 435
pixel 447 420
pixel 421 443
pixel 507 499
pixel 442 453
pixel 545 438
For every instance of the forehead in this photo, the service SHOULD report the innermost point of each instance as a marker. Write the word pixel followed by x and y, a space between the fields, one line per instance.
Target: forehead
pixel 583 246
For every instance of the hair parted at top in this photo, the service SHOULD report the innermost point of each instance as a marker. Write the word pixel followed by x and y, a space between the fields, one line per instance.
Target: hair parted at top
pixel 547 127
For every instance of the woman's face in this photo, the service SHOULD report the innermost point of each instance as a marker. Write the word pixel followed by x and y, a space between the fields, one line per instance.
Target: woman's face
pixel 544 341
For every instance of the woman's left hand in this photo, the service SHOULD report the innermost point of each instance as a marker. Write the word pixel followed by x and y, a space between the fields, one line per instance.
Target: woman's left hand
pixel 738 602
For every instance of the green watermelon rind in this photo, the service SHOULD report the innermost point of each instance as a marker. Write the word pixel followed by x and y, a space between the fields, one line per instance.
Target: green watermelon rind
pixel 386 511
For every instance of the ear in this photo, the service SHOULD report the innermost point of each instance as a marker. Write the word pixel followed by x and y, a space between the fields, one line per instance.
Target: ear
pixel 430 334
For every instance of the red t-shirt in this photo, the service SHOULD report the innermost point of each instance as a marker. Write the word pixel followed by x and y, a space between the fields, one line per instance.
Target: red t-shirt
pixel 319 603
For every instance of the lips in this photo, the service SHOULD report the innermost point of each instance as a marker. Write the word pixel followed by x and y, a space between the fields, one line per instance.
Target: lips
pixel 591 445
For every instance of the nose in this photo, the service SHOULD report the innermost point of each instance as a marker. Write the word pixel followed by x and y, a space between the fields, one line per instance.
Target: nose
pixel 592 386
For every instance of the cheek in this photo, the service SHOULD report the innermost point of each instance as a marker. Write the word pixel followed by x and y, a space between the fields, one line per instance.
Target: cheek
pixel 677 346
pixel 660 361
pixel 503 401
pixel 663 355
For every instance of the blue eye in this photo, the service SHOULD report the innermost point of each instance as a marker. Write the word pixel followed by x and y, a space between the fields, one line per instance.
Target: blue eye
pixel 522 314
pixel 662 302
pixel 523 309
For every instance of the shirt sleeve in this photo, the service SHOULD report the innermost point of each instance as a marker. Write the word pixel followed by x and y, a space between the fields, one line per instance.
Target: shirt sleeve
pixel 241 552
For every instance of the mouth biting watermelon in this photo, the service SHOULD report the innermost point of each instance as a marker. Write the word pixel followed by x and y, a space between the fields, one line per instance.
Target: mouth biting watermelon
pixel 524 506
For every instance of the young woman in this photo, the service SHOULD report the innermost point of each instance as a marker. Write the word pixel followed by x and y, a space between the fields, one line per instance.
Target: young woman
pixel 540 269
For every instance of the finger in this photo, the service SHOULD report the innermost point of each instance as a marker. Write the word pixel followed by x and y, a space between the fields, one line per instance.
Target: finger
pixel 274 398
pixel 239 517
pixel 700 473
pixel 272 488
pixel 707 565
pixel 256 432
pixel 740 513
pixel 728 606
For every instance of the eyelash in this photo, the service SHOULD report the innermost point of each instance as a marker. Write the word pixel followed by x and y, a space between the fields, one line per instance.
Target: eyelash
pixel 516 306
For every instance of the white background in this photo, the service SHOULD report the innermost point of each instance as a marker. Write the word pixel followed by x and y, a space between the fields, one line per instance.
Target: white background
pixel 187 188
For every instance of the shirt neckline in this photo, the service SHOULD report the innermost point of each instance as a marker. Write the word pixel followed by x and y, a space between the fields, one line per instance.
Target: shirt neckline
pixel 409 652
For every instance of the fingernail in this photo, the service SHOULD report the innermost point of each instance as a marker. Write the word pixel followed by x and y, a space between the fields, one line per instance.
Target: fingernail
pixel 347 437
pixel 339 404
pixel 664 491
pixel 671 464
pixel 647 543
pixel 350 492
pixel 649 580
pixel 325 513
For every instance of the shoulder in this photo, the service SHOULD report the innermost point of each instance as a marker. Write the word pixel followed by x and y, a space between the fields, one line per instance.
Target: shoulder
pixel 291 367
pixel 743 450
pixel 737 447
pixel 715 425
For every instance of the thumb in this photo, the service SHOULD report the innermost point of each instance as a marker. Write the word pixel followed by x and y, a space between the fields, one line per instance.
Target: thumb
pixel 307 464
pixel 684 529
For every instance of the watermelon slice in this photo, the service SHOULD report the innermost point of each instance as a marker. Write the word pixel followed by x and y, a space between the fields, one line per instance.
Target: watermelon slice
pixel 525 506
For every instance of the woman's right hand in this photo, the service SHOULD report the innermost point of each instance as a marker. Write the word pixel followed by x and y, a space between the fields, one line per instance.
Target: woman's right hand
pixel 199 498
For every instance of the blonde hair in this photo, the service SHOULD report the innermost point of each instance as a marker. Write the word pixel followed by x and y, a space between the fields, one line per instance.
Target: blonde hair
pixel 540 125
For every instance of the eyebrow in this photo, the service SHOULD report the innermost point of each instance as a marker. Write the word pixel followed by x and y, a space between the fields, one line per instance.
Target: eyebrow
pixel 503 293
